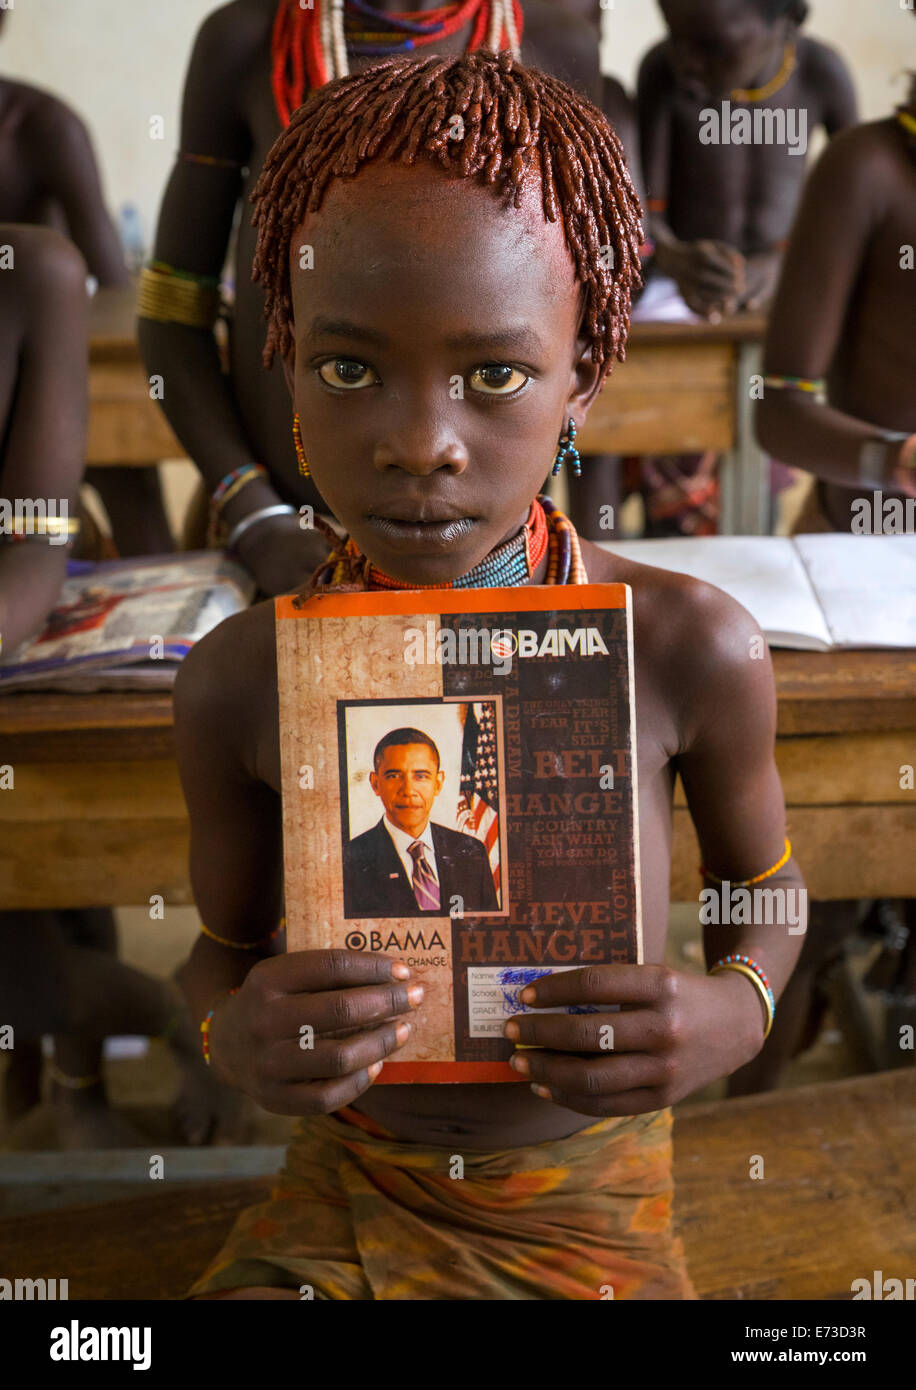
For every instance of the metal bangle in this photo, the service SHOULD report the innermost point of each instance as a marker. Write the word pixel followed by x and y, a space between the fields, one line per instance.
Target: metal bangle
pixel 280 509
pixel 878 455
pixel 758 984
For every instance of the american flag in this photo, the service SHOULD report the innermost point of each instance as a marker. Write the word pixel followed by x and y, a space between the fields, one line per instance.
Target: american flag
pixel 478 806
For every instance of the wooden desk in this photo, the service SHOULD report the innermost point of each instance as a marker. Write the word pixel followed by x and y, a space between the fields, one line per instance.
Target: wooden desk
pixel 96 817
pixel 837 1202
pixel 125 425
pixel 682 389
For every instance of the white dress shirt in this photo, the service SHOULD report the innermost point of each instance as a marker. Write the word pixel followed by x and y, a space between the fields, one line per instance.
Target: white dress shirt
pixel 401 840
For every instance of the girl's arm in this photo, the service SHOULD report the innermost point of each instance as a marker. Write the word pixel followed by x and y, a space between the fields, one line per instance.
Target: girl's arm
pixel 236 834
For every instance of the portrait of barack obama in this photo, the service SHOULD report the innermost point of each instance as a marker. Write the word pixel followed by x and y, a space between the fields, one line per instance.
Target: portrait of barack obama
pixel 407 864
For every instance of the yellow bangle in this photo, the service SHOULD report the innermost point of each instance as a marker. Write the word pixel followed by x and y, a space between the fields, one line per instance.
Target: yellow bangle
pixel 170 296
pixel 758 985
pixel 73 1083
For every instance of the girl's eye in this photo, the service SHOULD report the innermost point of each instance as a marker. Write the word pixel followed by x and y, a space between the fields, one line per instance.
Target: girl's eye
pixel 496 379
pixel 346 372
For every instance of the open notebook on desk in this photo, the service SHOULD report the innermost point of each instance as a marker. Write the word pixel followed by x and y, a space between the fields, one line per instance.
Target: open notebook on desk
pixel 813 592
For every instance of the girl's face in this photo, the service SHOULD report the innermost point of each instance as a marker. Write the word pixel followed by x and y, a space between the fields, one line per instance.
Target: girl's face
pixel 721 45
pixel 436 363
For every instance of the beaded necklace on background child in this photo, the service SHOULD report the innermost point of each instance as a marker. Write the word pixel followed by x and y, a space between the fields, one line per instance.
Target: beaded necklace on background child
pixel 478 258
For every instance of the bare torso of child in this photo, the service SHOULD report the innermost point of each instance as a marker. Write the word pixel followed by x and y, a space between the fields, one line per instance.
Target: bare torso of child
pixel 743 194
pixel 24 194
pixel 872 373
pixel 494 1116
pixel 563 46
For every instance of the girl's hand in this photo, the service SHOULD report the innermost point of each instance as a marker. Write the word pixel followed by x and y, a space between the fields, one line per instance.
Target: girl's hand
pixel 674 1033
pixel 308 1031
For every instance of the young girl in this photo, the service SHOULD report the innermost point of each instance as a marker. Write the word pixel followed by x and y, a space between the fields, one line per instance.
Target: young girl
pixel 475 258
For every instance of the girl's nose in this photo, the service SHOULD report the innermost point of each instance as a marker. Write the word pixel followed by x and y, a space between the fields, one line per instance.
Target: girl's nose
pixel 421 451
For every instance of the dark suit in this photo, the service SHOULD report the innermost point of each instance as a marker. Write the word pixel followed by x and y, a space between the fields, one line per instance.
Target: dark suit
pixel 376 883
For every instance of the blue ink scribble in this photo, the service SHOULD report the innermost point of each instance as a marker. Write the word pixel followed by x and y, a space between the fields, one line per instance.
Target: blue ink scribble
pixel 512 1003
pixel 521 976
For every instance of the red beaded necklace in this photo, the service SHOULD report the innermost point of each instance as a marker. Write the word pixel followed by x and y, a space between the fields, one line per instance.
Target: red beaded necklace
pixel 300 37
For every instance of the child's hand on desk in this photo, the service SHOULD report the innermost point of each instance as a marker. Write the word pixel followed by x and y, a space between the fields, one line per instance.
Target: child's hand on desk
pixel 281 554
pixel 307 1031
pixel 674 1033
pixel 710 276
pixel 761 278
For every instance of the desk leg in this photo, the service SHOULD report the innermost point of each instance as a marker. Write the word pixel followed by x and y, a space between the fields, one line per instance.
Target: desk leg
pixel 744 475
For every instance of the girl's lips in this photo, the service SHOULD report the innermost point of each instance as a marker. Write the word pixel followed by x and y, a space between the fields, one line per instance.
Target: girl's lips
pixel 417 535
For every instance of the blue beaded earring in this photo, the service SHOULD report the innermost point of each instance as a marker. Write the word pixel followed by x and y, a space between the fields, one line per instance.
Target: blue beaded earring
pixel 566 448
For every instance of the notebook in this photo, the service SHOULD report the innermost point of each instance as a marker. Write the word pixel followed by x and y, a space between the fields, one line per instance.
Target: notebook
pixel 811 592
pixel 513 754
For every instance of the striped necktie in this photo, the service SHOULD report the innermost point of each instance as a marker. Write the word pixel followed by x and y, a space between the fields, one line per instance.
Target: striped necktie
pixel 425 887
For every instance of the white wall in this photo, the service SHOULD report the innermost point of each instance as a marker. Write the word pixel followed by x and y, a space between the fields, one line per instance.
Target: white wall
pixel 119 62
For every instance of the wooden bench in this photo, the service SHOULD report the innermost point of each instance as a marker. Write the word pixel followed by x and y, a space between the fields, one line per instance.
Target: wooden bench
pixel 682 389
pixel 97 817
pixel 836 1202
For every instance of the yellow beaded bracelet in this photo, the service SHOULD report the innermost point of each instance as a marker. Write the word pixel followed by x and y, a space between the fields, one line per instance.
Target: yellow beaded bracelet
pixel 746 882
pixel 244 945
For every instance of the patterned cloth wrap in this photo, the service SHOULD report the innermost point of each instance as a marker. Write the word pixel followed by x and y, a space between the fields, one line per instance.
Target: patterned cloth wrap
pixel 357 1214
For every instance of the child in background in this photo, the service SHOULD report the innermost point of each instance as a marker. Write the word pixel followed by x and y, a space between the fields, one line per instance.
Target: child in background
pixel 840 402
pixel 721 211
pixel 253 63
pixel 44 407
pixel 484 263
pixel 842 326
pixel 48 176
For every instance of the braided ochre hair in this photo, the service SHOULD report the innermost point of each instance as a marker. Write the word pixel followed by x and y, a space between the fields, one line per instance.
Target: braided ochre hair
pixel 514 121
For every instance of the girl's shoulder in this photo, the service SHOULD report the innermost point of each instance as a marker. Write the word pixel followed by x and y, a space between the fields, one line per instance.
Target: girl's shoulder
pixel 232 671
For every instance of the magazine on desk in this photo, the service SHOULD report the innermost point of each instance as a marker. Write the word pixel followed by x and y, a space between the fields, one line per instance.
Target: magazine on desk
pixel 459 791
pixel 126 624
pixel 815 593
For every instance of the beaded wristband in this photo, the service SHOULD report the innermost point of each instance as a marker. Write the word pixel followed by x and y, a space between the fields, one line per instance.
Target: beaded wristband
pixel 244 945
pixel 746 882
pixel 745 965
pixel 813 385
pixel 205 1027
pixel 235 481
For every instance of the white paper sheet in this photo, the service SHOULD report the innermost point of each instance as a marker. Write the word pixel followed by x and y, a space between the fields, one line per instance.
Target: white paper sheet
pixel 866 586
pixel 764 573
